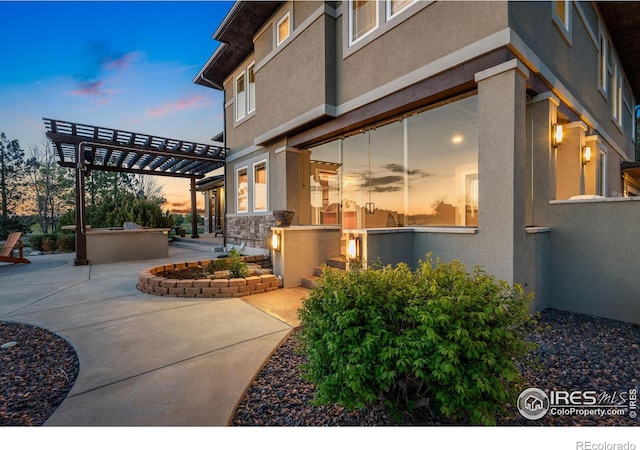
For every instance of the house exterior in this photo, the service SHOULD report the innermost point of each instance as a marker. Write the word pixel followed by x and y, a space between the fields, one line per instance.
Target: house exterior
pixel 397 128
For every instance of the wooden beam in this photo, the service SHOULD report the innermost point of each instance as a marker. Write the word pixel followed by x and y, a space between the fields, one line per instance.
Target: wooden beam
pixel 135 148
pixel 134 171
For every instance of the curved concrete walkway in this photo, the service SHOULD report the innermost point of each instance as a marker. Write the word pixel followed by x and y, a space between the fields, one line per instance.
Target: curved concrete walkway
pixel 145 360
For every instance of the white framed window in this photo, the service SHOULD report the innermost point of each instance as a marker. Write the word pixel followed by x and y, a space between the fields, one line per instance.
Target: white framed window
pixel 241 97
pixel 260 191
pixel 616 93
pixel 561 15
pixel 283 29
pixel 363 19
pixel 245 92
pixel 242 187
pixel 395 7
pixel 602 65
pixel 251 92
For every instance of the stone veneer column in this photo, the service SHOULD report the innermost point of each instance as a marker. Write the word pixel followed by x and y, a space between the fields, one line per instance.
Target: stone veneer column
pixel 501 163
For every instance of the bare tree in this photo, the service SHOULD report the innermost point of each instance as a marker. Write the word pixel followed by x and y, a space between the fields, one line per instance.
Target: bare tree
pixel 50 184
pixel 148 187
pixel 11 172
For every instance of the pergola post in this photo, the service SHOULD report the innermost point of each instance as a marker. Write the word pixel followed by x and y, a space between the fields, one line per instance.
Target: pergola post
pixel 81 229
pixel 194 210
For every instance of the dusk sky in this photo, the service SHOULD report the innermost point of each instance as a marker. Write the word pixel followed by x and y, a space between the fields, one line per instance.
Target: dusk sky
pixel 123 65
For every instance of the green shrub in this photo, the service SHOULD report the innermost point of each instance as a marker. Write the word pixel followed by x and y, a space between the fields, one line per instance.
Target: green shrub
pixel 35 241
pixel 49 243
pixel 437 336
pixel 236 264
pixel 66 242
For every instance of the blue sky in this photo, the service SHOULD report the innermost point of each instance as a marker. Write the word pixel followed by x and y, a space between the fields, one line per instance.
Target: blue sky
pixel 125 65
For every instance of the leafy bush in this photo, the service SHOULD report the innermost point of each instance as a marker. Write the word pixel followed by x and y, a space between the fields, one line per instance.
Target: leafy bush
pixel 66 242
pixel 236 264
pixel 49 243
pixel 216 265
pixel 437 336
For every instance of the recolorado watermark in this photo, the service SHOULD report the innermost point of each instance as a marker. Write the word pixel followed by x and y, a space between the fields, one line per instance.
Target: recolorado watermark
pixel 534 403
pixel 589 445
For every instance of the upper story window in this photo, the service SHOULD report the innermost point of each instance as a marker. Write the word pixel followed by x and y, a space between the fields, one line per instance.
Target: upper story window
pixel 602 64
pixel 562 11
pixel 616 94
pixel 395 7
pixel 363 19
pixel 260 186
pixel 242 186
pixel 283 29
pixel 251 93
pixel 562 18
pixel 245 87
pixel 241 97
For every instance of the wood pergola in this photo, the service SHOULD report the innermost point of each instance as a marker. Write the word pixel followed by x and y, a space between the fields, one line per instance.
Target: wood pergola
pixel 87 147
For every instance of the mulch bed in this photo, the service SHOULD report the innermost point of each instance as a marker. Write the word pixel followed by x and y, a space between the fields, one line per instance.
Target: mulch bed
pixel 36 373
pixel 579 352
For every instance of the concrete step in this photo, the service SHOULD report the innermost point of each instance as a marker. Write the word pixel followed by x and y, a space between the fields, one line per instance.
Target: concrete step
pixel 194 244
pixel 337 262
pixel 317 271
pixel 308 282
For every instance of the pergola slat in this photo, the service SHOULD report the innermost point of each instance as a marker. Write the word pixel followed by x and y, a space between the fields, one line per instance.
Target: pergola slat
pixel 86 148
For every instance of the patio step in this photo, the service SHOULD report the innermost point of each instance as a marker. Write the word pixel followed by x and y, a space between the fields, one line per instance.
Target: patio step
pixel 309 282
pixel 199 245
pixel 336 263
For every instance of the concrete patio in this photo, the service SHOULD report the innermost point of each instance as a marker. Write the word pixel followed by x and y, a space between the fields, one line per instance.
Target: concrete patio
pixel 147 360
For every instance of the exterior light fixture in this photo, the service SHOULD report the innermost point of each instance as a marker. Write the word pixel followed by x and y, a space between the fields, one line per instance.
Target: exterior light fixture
pixel 556 137
pixel 586 155
pixel 275 241
pixel 352 248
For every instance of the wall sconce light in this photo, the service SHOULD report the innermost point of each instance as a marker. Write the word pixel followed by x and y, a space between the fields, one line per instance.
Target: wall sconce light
pixel 353 250
pixel 556 137
pixel 275 241
pixel 586 155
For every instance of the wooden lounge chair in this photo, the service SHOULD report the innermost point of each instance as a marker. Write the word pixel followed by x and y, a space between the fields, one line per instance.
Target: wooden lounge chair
pixel 6 255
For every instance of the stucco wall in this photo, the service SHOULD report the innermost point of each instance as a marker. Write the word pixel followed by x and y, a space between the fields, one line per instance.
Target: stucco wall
pixel 593 258
pixel 435 31
pixel 106 246
pixel 574 63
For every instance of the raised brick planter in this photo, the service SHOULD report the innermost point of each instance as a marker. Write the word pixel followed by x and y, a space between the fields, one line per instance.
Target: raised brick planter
pixel 150 283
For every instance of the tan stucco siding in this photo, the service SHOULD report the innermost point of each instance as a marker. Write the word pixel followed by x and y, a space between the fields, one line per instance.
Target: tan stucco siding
pixel 573 62
pixel 294 80
pixel 435 31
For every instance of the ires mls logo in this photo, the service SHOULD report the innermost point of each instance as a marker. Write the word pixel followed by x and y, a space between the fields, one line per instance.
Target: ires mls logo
pixel 534 403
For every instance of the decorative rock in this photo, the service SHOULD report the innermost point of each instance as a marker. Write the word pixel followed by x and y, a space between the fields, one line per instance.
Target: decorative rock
pixel 9 344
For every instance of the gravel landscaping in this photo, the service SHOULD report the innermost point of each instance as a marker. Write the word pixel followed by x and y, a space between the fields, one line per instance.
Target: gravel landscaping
pixel 578 352
pixel 37 370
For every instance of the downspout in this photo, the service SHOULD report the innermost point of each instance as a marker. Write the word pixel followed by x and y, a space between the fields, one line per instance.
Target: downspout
pixel 224 143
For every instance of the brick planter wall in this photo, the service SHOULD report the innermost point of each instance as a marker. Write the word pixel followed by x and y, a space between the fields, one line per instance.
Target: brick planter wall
pixel 150 283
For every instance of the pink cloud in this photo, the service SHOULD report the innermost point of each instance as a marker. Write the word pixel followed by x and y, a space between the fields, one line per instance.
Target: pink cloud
pixel 92 89
pixel 192 102
pixel 119 63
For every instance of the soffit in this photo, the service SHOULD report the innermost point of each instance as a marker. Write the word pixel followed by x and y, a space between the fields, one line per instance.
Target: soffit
pixel 236 34
pixel 623 21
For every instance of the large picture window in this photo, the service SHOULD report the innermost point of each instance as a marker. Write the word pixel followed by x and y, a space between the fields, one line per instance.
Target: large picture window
pixel 260 186
pixel 242 185
pixel 420 170
pixel 363 18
